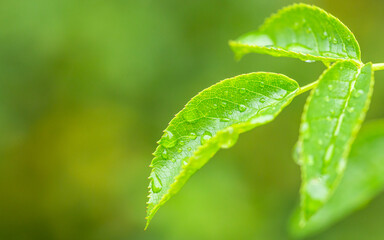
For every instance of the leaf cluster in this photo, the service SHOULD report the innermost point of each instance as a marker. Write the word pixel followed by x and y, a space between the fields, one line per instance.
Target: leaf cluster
pixel 331 120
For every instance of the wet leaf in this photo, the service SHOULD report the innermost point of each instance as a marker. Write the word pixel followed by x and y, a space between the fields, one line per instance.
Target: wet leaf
pixel 212 120
pixel 332 117
pixel 301 31
pixel 362 181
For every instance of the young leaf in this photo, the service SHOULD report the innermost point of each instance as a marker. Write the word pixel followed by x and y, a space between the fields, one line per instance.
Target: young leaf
pixel 301 31
pixel 362 181
pixel 331 119
pixel 212 120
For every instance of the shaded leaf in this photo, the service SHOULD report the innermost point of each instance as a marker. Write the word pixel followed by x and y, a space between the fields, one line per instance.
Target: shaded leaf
pixel 331 119
pixel 301 31
pixel 212 120
pixel 362 181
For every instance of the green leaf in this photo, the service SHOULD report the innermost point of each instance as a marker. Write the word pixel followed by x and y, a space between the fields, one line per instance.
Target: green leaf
pixel 331 119
pixel 301 31
pixel 363 180
pixel 212 120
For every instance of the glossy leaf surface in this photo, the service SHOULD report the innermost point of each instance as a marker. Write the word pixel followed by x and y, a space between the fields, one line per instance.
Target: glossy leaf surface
pixel 212 120
pixel 363 180
pixel 331 119
pixel 301 31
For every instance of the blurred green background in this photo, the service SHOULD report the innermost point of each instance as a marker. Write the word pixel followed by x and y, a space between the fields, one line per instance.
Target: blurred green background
pixel 86 88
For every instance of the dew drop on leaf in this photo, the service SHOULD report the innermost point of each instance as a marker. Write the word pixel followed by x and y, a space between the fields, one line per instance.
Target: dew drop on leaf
pixel 167 140
pixel 330 87
pixel 214 106
pixel 242 108
pixel 192 136
pixel 326 98
pixel 329 153
pixel 156 184
pixel 242 90
pixel 317 189
pixel 190 116
pixel 351 109
pixel 224 104
pixel 181 142
pixel 225 119
pixel 262 100
pixel 205 137
pixel 358 93
pixel 164 154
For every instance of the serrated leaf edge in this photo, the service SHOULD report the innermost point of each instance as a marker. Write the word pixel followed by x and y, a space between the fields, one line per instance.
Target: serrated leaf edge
pixel 238 128
pixel 274 51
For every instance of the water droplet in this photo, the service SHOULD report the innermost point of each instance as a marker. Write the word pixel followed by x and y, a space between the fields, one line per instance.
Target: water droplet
pixel 179 150
pixel 317 189
pixel 317 92
pixel 223 104
pixel 261 84
pixel 164 154
pixel 226 92
pixel 205 137
pixel 156 184
pixel 242 90
pixel 334 40
pixel 325 35
pixel 332 112
pixel 173 160
pixel 329 153
pixel 185 161
pixel 229 138
pixel 262 100
pixel 326 98
pixel 358 93
pixel 320 142
pixel 330 87
pixel 192 136
pixel 189 149
pixel 167 140
pixel 351 109
pixel 341 165
pixel 309 61
pixel 305 127
pixel 190 116
pixel 242 108
pixel 329 118
pixel 181 142
pixel 225 119
pixel 214 106
pixel 308 30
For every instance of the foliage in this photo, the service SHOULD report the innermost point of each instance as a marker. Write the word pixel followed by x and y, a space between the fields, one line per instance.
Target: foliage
pixel 332 117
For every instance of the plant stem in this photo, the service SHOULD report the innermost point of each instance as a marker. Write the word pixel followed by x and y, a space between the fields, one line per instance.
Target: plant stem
pixel 378 66
pixel 307 87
